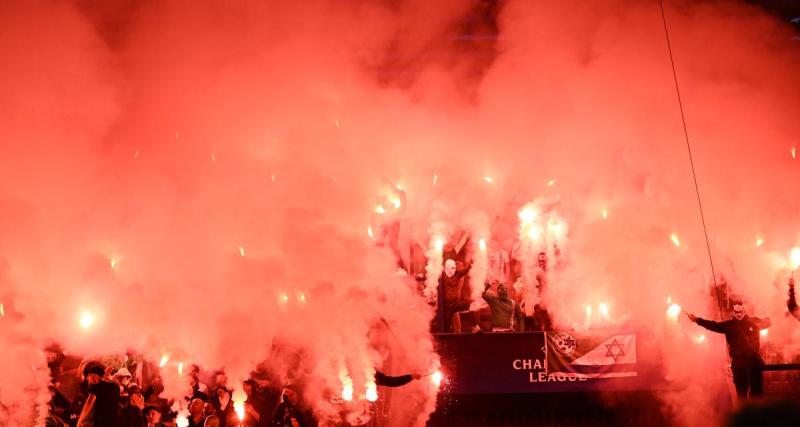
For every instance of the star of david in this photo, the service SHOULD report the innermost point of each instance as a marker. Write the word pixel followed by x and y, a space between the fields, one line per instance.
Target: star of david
pixel 612 353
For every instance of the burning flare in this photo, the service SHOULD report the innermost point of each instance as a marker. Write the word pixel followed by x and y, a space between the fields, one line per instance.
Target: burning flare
pixel 603 309
pixel 488 179
pixel 164 360
pixel 794 257
pixel 437 378
pixel 673 311
pixel 347 388
pixel 86 319
pixel 372 391
pixel 238 398
pixel 675 240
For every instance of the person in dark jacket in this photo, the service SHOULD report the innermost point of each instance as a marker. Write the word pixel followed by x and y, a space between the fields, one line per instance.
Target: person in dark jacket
pixel 791 303
pixel 102 404
pixel 742 333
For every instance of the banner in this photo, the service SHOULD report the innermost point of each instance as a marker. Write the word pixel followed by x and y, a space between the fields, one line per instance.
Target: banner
pixel 535 362
pixel 592 356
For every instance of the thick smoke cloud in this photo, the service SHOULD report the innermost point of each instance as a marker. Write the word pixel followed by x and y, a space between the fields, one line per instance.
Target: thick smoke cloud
pixel 201 178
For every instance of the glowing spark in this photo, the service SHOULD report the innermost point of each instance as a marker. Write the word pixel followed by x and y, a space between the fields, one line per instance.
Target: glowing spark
pixel 164 360
pixel 673 311
pixel 372 392
pixel 764 332
pixel 396 202
pixel 2 310
pixel 669 299
pixel 241 250
pixel 551 183
pixel 435 179
pixel 603 308
pixel 759 241
pixel 369 231
pixel 213 158
pixel 177 135
pixel 86 319
pixel 437 378
pixel 399 186
pixel 380 210
pixel 794 152
pixel 675 240
pixel 794 257
pixel 238 398
pixel 488 179
pixel 301 297
pixel 284 298
pixel 701 339
pixel 605 214
pixel 273 178
pixel 588 310
pixel 136 154
pixel 337 124
pixel 113 263
pixel 482 244
pixel 180 369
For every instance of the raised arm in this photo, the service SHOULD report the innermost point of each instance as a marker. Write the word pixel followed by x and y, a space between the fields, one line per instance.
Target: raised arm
pixel 389 381
pixel 708 324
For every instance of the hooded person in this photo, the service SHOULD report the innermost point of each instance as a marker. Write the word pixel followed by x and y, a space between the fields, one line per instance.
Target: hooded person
pixel 742 334
pixel 291 412
pixel 102 404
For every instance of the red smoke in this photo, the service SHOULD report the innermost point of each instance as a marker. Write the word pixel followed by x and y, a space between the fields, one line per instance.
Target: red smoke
pixel 185 171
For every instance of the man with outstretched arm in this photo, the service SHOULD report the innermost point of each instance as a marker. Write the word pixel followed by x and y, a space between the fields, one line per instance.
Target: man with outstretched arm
pixel 742 333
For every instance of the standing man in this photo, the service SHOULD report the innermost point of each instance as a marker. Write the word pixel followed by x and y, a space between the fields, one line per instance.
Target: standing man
pixel 742 335
pixel 454 297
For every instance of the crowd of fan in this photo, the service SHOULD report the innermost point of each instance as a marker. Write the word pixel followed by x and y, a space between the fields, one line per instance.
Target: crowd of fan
pixel 509 302
pixel 105 397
